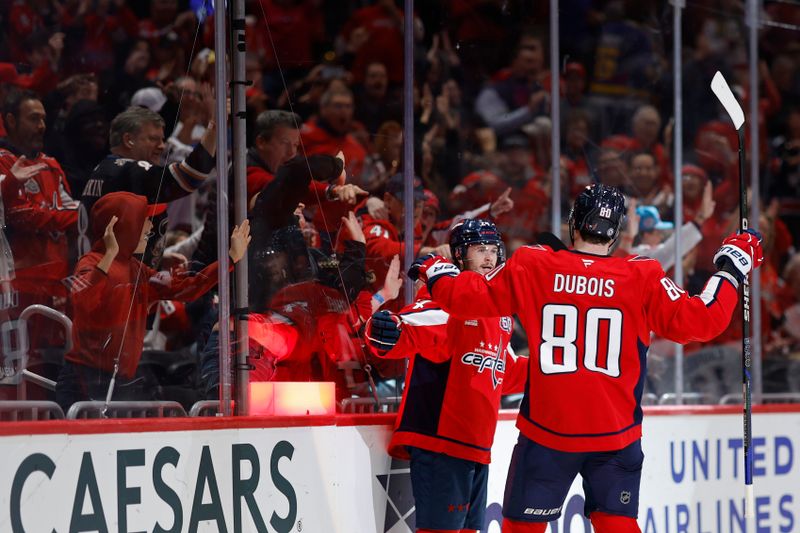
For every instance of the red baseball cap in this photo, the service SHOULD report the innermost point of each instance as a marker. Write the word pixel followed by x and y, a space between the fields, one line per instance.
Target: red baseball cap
pixel 431 200
pixel 694 170
pixel 156 209
pixel 575 68
pixel 8 73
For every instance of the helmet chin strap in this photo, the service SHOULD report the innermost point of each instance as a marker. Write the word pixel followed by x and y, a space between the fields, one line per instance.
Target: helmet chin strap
pixel 460 259
pixel 613 243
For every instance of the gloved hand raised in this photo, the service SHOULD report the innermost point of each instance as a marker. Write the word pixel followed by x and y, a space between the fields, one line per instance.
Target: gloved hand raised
pixel 383 330
pixel 429 268
pixel 739 254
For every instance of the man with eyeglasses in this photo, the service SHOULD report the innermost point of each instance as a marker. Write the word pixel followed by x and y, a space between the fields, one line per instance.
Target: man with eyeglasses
pixel 331 131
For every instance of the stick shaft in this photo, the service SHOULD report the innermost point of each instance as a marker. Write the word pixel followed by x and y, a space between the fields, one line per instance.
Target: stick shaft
pixel 746 348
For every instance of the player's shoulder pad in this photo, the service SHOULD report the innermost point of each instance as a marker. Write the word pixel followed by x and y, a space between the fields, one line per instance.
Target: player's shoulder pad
pixel 532 251
pixel 642 262
pixel 647 266
pixel 536 248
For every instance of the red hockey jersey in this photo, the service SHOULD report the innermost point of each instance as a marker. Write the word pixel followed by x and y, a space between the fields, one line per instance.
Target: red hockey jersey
pixel 458 369
pixel 111 308
pixel 39 212
pixel 588 320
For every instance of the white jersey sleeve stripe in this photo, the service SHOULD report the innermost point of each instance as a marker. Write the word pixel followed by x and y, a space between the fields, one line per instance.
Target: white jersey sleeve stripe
pixel 428 317
pixel 67 202
pixel 711 289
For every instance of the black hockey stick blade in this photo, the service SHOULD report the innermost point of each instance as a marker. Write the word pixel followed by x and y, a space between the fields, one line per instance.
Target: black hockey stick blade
pixel 548 239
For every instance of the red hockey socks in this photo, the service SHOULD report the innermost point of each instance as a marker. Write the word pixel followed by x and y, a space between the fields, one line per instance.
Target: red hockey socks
pixel 609 523
pixel 514 526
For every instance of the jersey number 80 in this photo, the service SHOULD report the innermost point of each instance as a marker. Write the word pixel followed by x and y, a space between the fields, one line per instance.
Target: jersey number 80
pixel 564 340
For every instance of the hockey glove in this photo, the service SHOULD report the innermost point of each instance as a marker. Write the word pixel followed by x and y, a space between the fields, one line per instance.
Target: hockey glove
pixel 739 254
pixel 429 268
pixel 383 330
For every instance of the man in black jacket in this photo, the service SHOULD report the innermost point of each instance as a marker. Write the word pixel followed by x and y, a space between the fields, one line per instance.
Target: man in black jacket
pixel 137 142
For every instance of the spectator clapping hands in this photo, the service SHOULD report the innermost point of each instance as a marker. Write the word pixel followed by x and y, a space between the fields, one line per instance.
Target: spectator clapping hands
pixel 707 205
pixel 240 239
pixel 391 284
pixel 353 228
pixel 22 171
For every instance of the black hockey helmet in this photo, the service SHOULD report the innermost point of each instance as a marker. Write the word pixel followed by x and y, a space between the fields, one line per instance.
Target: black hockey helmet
pixel 599 211
pixel 474 231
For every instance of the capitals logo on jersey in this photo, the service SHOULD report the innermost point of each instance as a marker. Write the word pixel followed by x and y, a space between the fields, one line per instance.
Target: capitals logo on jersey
pixel 484 359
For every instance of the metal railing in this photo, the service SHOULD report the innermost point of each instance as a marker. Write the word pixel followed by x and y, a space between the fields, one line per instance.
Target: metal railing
pixel 771 397
pixel 19 410
pixel 387 404
pixel 206 408
pixel 24 375
pixel 689 398
pixel 649 398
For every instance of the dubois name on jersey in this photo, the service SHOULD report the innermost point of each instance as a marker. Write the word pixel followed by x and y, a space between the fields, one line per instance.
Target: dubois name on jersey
pixel 577 284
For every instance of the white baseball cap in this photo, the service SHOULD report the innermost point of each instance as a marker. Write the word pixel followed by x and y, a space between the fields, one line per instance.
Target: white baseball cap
pixel 150 97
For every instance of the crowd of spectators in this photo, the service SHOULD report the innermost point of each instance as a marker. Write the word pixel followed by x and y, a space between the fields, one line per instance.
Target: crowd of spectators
pixel 105 97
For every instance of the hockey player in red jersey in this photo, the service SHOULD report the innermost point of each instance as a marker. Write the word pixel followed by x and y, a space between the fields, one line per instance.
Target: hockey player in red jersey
pixel 589 317
pixel 457 371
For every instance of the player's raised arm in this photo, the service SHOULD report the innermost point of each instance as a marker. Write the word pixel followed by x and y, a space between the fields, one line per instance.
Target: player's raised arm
pixel 672 314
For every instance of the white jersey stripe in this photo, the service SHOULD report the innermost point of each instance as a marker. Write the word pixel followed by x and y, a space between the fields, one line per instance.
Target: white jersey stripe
pixel 428 317
pixel 709 293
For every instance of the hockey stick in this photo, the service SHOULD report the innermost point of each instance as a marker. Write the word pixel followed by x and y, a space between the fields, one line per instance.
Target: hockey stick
pixel 725 95
pixel 548 239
